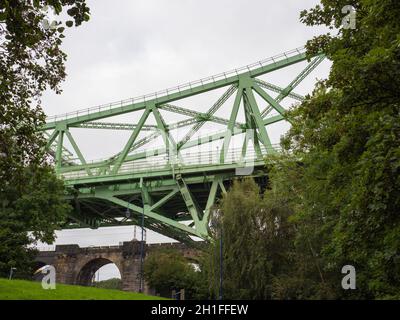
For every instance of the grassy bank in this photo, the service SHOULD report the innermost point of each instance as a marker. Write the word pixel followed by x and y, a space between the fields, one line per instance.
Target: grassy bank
pixel 32 290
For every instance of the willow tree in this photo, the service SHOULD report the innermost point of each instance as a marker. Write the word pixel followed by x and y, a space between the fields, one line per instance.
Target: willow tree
pixel 257 244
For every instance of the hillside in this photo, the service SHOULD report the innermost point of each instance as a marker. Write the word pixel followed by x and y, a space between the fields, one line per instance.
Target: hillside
pixel 31 290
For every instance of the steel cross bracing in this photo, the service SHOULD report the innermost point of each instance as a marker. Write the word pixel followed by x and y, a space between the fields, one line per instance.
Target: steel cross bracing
pixel 175 190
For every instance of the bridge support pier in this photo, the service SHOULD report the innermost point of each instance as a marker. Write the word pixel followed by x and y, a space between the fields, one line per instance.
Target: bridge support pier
pixel 75 265
pixel 130 266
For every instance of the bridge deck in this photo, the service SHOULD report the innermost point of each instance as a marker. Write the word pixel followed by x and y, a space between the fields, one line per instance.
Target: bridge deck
pixel 162 166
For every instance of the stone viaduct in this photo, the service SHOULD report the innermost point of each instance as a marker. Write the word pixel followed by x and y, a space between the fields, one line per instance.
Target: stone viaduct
pixel 76 265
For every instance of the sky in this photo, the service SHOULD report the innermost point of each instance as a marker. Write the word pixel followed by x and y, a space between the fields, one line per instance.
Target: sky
pixel 135 47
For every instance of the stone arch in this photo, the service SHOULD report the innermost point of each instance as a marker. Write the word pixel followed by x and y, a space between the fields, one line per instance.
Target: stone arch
pixel 39 264
pixel 88 270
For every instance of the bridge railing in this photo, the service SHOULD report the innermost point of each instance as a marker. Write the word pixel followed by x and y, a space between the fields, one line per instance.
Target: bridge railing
pixel 179 88
pixel 46 248
pixel 186 160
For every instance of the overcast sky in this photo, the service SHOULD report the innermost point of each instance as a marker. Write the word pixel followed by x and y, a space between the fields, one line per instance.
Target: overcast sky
pixel 132 47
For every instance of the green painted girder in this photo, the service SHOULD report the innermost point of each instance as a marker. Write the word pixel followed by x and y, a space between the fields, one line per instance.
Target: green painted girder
pixel 134 186
pixel 201 140
pixel 200 117
pixel 59 150
pixel 113 126
pixel 169 227
pixel 87 116
pixel 67 155
pixel 78 151
pixel 171 192
pixel 169 141
pixel 253 135
pixel 292 85
pixel 272 102
pixel 306 72
pixel 256 116
pixel 277 89
pixel 193 207
pixel 153 136
pixel 134 135
pixel 227 94
pixel 156 219
pixel 253 116
pixel 145 140
pixel 162 172
pixel 231 124
pixel 104 216
pixel 162 150
pixel 129 127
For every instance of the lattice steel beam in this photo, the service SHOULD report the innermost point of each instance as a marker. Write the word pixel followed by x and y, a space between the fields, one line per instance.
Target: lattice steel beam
pixel 88 116
pixel 292 85
pixel 113 126
pixel 278 90
pixel 227 94
pixel 168 192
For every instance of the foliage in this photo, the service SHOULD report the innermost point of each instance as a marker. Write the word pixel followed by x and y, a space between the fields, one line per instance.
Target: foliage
pixel 30 62
pixel 261 259
pixel 348 136
pixel 39 209
pixel 113 283
pixel 166 270
pixel 245 263
pixel 335 192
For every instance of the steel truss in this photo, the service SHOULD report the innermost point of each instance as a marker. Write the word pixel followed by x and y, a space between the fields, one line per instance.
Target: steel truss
pixel 176 192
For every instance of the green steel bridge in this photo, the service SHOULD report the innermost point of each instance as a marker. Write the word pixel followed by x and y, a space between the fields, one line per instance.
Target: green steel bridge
pixel 172 186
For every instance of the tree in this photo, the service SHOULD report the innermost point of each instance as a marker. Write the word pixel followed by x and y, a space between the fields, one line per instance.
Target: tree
pixel 246 264
pixel 259 253
pixel 113 283
pixel 335 192
pixel 166 270
pixel 347 135
pixel 301 275
pixel 30 61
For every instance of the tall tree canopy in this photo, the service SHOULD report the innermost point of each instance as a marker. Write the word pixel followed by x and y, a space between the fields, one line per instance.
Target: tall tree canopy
pixel 348 135
pixel 264 255
pixel 31 60
pixel 336 191
pixel 256 240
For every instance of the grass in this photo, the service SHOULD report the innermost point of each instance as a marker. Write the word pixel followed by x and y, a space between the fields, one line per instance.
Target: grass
pixel 32 290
